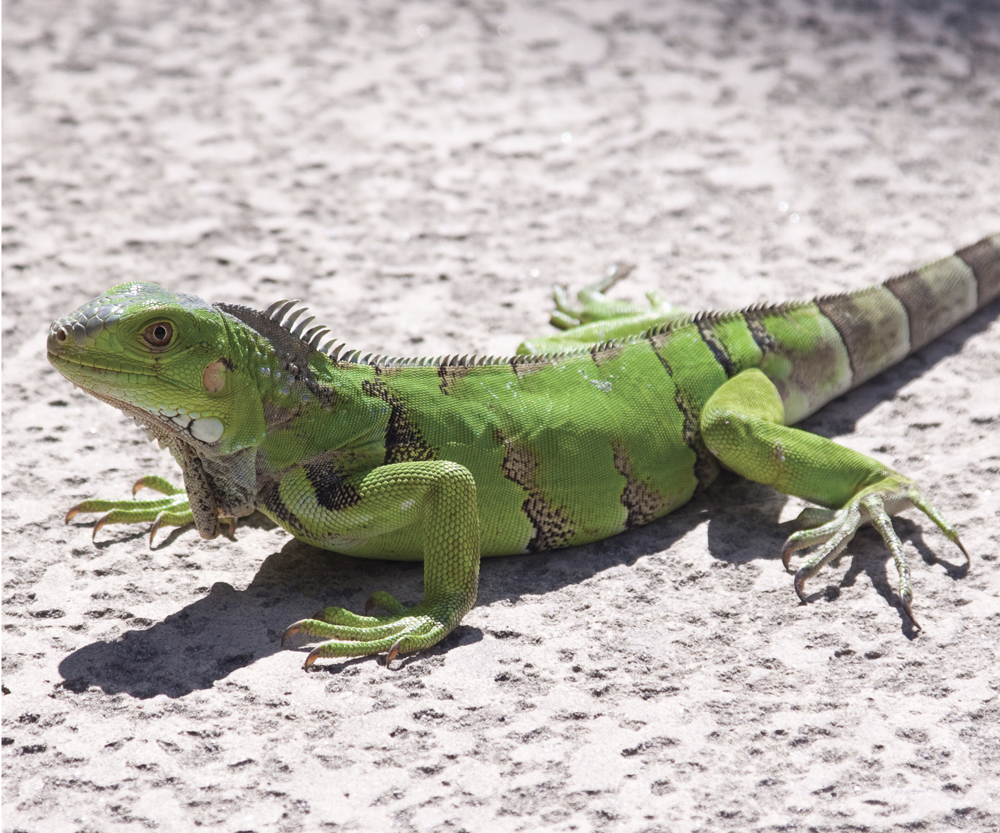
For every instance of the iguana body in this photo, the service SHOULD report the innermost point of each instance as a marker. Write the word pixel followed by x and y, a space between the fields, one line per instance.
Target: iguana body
pixel 615 422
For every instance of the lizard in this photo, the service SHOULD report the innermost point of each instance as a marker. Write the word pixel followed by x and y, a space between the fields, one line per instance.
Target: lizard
pixel 617 420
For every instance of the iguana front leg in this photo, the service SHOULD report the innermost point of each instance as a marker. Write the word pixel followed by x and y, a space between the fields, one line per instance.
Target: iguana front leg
pixel 743 426
pixel 172 510
pixel 388 512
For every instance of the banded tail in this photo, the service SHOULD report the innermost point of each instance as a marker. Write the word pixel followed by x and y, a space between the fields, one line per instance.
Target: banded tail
pixel 883 324
pixel 866 331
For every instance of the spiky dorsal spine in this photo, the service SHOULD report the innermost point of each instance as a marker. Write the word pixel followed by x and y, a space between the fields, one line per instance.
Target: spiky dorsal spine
pixel 293 319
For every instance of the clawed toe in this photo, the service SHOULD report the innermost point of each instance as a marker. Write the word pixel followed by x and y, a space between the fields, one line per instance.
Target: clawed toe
pixel 172 510
pixel 347 634
pixel 800 584
pixel 873 505
pixel 291 630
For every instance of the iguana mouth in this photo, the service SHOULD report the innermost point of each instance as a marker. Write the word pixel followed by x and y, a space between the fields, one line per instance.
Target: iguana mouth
pixel 160 429
pixel 192 428
pixel 56 358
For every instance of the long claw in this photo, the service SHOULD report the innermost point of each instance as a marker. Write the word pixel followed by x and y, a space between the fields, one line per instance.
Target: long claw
pixel 393 652
pixel 314 655
pixel 291 630
pixel 800 584
pixel 157 525
pixel 909 612
pixel 965 552
pixel 99 526
pixel 171 510
pixel 786 555
pixel 876 505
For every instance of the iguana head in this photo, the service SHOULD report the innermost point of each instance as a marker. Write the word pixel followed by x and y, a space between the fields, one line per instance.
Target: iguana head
pixel 164 358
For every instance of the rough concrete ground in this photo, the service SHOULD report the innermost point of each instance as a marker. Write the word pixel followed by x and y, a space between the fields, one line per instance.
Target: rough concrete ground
pixel 422 173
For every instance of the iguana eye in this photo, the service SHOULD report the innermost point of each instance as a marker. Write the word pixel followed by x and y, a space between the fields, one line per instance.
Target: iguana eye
pixel 158 334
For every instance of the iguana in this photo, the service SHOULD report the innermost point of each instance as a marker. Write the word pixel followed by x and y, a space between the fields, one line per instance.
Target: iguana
pixel 615 422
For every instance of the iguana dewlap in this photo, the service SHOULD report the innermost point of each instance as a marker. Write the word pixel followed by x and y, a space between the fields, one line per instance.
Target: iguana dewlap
pixel 614 422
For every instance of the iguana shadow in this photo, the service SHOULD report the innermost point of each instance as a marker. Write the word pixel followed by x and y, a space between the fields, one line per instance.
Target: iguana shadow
pixel 228 629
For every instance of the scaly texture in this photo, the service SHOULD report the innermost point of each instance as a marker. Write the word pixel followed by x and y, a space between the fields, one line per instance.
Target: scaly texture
pixel 611 424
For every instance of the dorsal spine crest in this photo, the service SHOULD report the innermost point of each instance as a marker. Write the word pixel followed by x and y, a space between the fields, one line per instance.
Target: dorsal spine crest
pixel 293 316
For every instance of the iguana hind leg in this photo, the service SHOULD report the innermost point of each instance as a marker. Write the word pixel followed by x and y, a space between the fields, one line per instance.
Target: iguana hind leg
pixel 743 426
pixel 595 318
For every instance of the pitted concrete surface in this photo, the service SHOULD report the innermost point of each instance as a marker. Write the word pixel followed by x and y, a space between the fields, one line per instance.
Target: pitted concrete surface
pixel 422 173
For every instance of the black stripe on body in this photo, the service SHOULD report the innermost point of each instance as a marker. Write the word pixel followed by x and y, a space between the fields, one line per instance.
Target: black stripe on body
pixel 550 528
pixel 758 332
pixel 277 416
pixel 325 396
pixel 603 353
pixel 983 258
pixel 719 351
pixel 848 325
pixel 524 365
pixel 706 467
pixel 270 497
pixel 403 441
pixel 448 373
pixel 642 503
pixel 332 492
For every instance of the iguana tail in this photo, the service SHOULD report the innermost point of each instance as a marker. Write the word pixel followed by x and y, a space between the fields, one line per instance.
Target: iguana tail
pixel 882 324
pixel 940 295
pixel 813 359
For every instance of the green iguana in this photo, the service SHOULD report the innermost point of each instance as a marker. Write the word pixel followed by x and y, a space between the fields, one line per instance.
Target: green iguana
pixel 577 437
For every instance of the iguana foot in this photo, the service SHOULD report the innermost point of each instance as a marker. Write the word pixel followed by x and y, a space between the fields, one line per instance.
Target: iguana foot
pixel 595 319
pixel 592 305
pixel 406 629
pixel 832 530
pixel 172 510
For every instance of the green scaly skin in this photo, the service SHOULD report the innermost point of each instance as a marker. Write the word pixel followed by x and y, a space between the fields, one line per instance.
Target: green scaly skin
pixel 616 421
